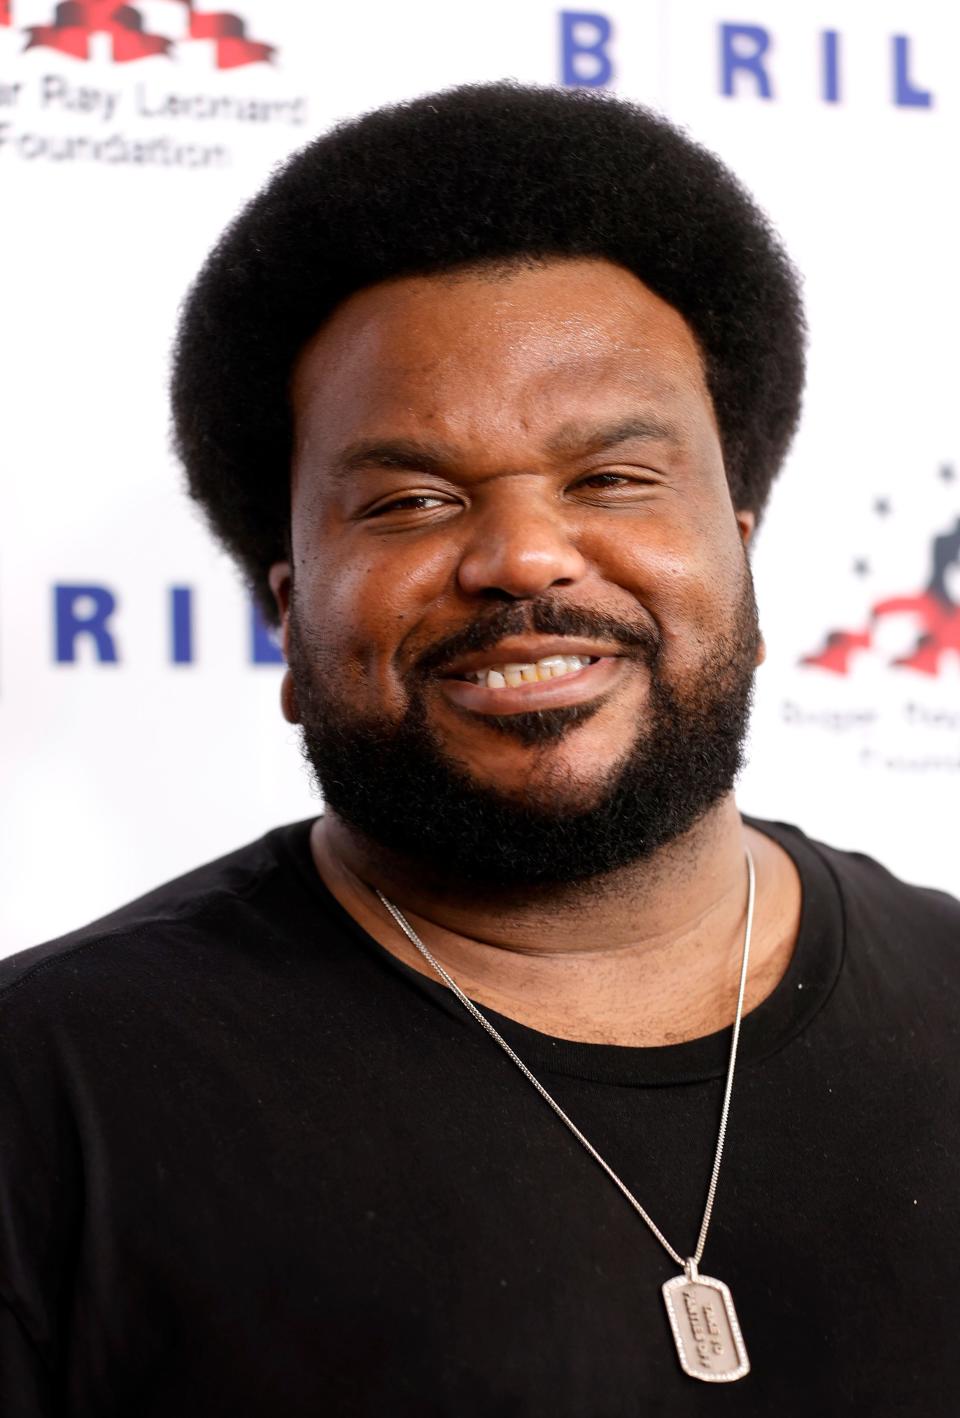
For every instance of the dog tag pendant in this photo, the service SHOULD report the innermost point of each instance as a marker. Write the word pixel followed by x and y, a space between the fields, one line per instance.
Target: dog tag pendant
pixel 705 1328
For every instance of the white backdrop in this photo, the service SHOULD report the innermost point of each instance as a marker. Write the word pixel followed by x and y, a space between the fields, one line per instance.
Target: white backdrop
pixel 122 155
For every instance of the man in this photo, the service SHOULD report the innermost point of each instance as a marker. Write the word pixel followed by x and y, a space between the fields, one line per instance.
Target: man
pixel 486 393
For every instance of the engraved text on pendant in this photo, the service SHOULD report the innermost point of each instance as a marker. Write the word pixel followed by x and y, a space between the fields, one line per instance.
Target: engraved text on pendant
pixel 705 1329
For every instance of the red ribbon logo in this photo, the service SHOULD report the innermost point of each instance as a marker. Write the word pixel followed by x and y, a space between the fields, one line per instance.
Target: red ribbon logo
pixel 76 20
pixel 936 616
pixel 229 33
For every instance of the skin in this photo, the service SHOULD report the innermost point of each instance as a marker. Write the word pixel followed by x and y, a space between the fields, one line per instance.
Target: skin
pixel 505 396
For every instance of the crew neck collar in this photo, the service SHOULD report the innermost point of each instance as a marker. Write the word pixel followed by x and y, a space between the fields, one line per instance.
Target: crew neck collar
pixel 785 1013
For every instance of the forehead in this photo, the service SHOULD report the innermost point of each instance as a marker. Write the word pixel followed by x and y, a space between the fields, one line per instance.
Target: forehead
pixel 482 352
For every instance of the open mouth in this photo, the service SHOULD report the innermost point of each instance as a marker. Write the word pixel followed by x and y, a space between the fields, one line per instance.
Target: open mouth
pixel 510 676
pixel 525 684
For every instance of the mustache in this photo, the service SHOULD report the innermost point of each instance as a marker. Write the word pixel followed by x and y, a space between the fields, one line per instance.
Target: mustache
pixel 547 617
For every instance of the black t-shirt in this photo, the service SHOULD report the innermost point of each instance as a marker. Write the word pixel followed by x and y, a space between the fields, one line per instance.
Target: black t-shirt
pixel 251 1165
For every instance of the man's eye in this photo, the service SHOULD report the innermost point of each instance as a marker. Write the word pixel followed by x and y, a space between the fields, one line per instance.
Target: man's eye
pixel 601 481
pixel 413 502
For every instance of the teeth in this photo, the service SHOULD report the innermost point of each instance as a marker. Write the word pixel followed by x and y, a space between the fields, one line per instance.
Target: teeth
pixel 551 667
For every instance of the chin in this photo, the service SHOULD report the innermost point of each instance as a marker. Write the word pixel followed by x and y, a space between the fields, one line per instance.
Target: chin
pixel 546 778
pixel 545 729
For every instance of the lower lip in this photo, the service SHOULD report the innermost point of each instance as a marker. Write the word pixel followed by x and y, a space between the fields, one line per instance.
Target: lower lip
pixel 579 687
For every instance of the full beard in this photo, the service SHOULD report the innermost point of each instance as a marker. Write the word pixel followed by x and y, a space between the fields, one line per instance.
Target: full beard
pixel 393 782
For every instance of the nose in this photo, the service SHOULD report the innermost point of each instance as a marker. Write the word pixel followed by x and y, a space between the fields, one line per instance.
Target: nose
pixel 519 553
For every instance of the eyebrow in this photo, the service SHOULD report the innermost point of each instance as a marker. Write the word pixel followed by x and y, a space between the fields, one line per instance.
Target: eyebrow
pixel 401 454
pixel 585 438
pixel 570 440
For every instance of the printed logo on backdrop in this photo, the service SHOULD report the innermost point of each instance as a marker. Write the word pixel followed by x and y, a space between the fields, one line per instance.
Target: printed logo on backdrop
pixel 747 60
pixel 100 54
pixel 905 650
pixel 88 628
pixel 75 22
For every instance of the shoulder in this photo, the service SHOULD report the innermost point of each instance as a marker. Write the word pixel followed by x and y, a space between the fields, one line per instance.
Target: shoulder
pixel 895 923
pixel 197 912
pixel 862 877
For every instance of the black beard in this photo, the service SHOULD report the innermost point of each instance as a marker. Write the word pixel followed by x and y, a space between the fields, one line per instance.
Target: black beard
pixel 393 783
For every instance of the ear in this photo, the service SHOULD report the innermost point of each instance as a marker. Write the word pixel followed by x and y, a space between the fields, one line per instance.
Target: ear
pixel 280 577
pixel 747 524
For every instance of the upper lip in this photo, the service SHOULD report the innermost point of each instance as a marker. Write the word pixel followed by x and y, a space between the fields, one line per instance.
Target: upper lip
pixel 526 650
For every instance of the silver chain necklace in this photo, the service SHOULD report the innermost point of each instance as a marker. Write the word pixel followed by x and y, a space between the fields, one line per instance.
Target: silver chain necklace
pixel 702 1317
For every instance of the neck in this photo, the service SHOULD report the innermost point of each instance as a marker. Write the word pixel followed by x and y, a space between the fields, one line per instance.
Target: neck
pixel 647 955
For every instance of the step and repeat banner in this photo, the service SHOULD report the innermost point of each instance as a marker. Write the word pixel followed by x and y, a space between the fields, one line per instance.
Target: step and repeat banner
pixel 140 730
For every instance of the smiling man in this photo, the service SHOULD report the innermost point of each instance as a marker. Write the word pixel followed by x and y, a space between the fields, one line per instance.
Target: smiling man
pixel 530 1078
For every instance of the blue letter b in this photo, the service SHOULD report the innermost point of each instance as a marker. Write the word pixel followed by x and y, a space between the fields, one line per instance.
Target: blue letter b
pixel 584 61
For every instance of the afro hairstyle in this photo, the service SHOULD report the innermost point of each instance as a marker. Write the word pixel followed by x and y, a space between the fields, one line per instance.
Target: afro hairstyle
pixel 484 173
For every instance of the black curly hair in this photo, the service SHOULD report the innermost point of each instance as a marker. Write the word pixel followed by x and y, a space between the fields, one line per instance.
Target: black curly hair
pixel 481 173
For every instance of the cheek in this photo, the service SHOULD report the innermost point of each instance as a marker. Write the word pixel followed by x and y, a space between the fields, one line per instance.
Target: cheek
pixel 687 574
pixel 363 602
